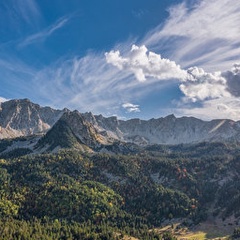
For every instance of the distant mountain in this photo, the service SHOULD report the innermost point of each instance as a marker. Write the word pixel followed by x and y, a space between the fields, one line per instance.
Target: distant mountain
pixel 167 130
pixel 23 118
pixel 64 128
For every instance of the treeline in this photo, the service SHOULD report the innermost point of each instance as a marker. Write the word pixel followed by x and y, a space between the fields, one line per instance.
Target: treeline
pixel 12 229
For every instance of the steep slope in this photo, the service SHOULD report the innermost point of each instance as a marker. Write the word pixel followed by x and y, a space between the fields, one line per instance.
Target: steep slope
pixel 22 118
pixel 71 131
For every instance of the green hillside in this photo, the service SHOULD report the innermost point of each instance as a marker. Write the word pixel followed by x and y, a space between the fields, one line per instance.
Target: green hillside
pixel 75 195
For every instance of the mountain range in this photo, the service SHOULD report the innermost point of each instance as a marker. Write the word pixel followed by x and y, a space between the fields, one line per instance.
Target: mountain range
pixel 48 129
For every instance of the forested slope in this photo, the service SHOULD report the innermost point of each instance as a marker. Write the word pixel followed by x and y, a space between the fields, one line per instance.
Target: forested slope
pixel 74 195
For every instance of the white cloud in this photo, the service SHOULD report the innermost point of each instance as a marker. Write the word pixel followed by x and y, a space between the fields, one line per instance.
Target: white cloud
pixel 218 94
pixel 200 85
pixel 87 84
pixel 131 107
pixel 42 35
pixel 220 108
pixel 204 34
pixel 143 63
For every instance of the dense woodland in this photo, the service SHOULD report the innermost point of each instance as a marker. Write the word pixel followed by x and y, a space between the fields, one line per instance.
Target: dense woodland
pixel 75 195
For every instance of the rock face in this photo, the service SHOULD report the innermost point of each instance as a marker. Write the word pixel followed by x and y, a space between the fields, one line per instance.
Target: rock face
pixel 70 131
pixel 172 130
pixel 85 132
pixel 168 130
pixel 23 118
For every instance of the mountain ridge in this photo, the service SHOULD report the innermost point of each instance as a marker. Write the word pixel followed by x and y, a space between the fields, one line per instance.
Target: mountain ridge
pixel 24 118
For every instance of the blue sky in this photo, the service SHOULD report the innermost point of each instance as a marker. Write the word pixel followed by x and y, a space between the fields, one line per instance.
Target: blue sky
pixel 131 59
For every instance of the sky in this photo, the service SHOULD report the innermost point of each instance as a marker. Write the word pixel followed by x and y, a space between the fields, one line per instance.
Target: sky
pixel 129 58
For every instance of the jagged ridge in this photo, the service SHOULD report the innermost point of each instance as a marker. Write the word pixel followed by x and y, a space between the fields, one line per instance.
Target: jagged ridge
pixel 23 118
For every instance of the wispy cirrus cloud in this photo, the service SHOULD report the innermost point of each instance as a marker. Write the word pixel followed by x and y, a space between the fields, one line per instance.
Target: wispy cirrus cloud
pixel 17 16
pixel 92 84
pixel 16 77
pixel 87 84
pixel 204 34
pixel 28 10
pixel 45 33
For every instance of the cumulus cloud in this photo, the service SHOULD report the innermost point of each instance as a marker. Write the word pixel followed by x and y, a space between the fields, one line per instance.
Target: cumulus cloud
pixel 233 80
pixel 201 85
pixel 143 63
pixel 131 107
pixel 204 34
pixel 218 94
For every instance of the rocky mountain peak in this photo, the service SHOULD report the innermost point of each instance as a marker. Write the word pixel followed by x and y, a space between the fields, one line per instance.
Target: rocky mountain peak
pixel 83 129
pixel 22 117
pixel 170 117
